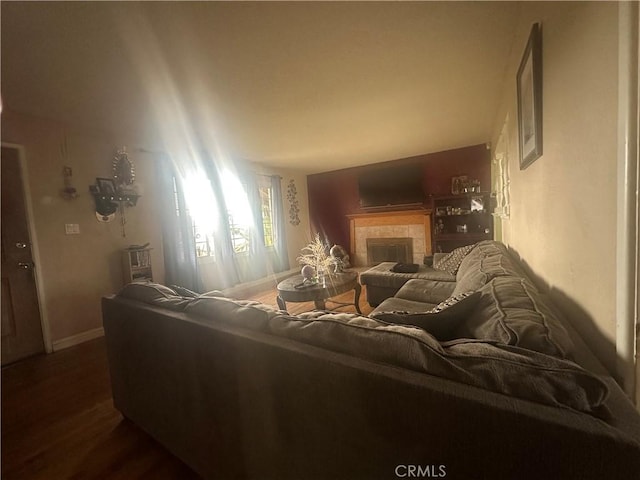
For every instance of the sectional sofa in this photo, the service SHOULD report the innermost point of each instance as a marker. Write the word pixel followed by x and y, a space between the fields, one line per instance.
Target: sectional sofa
pixel 498 386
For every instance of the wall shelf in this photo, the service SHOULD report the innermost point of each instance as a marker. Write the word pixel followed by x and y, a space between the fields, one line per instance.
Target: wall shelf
pixel 132 200
pixel 460 220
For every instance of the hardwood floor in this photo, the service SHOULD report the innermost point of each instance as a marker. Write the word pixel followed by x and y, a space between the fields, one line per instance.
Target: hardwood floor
pixel 58 419
pixel 58 422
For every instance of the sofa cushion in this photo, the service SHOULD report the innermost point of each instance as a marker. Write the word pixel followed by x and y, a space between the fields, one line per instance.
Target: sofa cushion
pixel 451 262
pixel 511 311
pixel 488 260
pixel 146 292
pixel 154 294
pixel 495 367
pixel 212 293
pixel 499 368
pixel 184 292
pixel 395 304
pixel 439 321
pixel 245 313
pixel 428 291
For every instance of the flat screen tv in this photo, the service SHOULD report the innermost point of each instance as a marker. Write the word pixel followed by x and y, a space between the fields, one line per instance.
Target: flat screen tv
pixel 391 186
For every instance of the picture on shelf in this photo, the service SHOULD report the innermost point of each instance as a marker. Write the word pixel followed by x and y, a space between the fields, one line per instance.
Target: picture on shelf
pixel 477 204
pixel 106 186
pixel 458 184
pixel 441 211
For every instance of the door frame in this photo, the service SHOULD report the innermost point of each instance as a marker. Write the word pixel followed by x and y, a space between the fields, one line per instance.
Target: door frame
pixel 35 251
pixel 627 249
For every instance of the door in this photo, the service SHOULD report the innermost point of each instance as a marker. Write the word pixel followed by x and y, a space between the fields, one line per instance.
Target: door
pixel 21 328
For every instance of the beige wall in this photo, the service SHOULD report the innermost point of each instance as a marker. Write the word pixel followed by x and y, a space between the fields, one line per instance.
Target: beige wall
pixel 298 236
pixel 563 206
pixel 76 270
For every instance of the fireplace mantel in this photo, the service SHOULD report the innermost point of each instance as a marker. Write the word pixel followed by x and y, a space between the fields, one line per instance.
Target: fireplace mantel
pixel 417 222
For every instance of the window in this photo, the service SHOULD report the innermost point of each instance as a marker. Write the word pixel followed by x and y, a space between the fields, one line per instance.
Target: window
pixel 239 216
pixel 201 206
pixel 204 242
pixel 199 199
pixel 240 235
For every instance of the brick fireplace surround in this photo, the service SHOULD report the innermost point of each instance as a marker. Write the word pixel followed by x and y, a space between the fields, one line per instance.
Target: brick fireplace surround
pixel 415 224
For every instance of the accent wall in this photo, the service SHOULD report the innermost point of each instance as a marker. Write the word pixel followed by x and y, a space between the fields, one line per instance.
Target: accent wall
pixel 334 195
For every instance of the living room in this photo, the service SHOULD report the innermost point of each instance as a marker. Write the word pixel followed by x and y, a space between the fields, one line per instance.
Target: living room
pixel 328 88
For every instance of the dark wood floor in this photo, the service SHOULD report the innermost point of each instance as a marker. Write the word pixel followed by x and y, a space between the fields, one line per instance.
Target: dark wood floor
pixel 58 420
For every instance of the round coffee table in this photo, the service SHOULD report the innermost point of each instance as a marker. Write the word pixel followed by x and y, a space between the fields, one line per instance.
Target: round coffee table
pixel 318 293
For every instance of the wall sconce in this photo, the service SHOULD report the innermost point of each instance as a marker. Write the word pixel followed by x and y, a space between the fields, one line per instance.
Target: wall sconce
pixel 68 192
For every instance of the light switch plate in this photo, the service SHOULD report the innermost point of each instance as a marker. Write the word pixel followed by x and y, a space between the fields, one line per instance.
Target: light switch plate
pixel 72 229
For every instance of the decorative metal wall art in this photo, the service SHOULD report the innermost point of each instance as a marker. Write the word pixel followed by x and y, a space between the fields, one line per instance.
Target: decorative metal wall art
pixel 124 172
pixel 294 208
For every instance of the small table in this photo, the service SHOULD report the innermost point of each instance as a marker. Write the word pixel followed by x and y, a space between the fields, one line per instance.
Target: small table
pixel 318 293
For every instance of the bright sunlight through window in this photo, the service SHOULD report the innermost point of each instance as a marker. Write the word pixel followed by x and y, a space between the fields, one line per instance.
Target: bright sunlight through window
pixel 201 205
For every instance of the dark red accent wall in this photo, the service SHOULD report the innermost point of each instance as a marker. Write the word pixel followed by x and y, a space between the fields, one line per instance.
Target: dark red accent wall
pixel 334 195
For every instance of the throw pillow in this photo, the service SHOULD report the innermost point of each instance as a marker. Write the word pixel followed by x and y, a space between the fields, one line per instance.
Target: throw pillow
pixel 451 262
pixel 405 268
pixel 441 320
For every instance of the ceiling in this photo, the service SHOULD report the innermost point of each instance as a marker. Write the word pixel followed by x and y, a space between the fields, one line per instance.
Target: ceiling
pixel 307 85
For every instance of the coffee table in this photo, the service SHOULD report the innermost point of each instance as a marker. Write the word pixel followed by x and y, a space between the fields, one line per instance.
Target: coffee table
pixel 319 294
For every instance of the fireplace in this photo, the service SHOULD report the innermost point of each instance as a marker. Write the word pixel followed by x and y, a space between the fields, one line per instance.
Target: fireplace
pixel 389 250
pixel 414 225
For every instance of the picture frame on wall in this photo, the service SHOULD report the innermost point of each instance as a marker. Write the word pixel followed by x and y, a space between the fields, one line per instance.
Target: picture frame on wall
pixel 106 186
pixel 529 88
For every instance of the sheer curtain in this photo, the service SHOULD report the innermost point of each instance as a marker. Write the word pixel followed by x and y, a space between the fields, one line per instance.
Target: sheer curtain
pixel 262 260
pixel 180 261
pixel 281 254
pixel 230 186
pixel 226 270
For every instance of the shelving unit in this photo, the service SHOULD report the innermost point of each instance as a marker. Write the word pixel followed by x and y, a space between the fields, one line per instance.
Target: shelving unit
pixel 136 265
pixel 460 220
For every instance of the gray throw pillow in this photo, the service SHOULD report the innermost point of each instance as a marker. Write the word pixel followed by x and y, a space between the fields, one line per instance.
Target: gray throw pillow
pixel 441 320
pixel 451 262
pixel 405 268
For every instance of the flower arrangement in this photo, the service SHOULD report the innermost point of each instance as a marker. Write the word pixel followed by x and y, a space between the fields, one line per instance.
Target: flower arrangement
pixel 315 255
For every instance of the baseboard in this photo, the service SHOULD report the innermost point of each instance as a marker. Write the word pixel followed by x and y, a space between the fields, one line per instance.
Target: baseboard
pixel 77 339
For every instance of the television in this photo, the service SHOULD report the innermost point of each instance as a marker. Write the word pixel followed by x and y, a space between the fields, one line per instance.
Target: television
pixel 391 186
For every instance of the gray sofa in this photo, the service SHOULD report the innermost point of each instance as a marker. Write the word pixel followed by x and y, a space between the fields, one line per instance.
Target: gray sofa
pixel 238 389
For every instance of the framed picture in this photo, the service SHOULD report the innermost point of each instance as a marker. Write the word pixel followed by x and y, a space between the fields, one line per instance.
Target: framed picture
pixel 458 184
pixel 529 86
pixel 106 186
pixel 477 204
